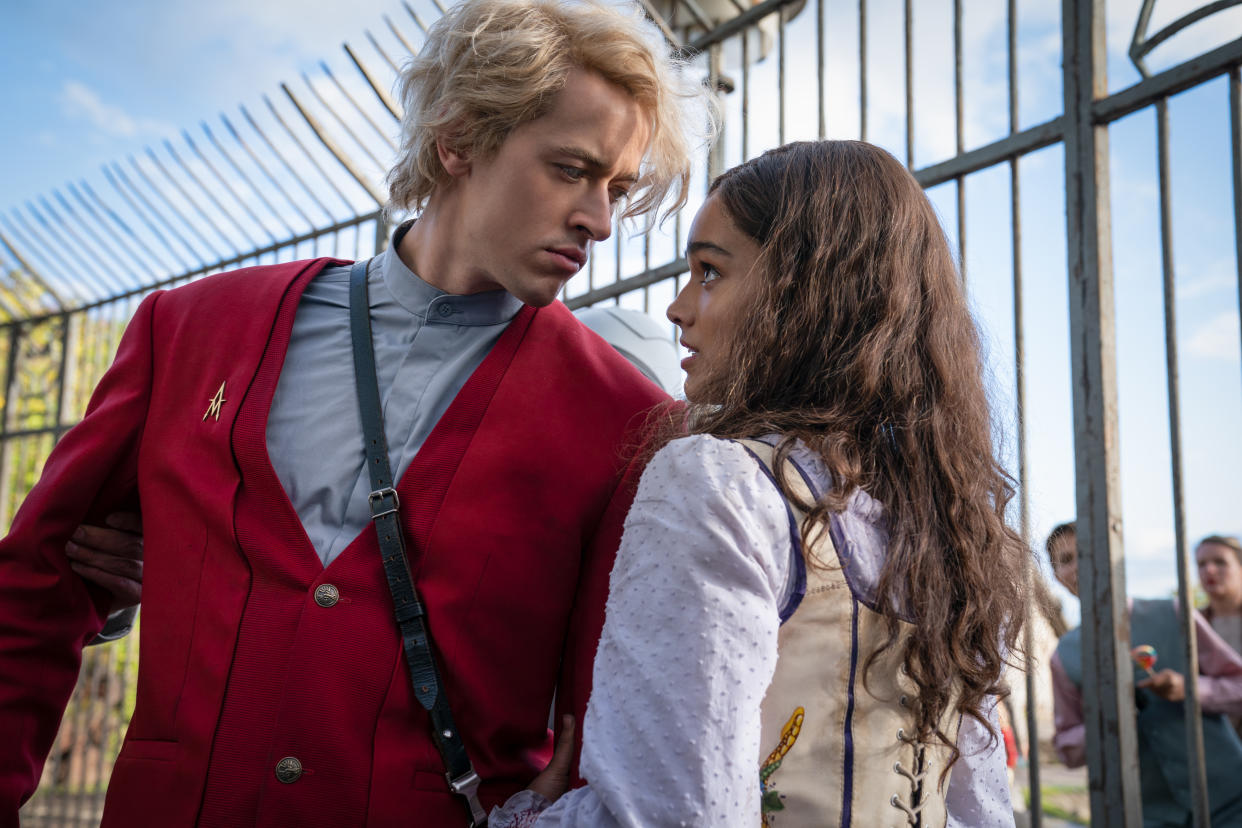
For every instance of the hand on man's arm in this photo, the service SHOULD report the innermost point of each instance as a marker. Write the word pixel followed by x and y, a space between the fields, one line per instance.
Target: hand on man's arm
pixel 111 556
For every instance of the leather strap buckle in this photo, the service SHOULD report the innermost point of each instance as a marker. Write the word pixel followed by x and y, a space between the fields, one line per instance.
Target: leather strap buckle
pixel 467 785
pixel 378 496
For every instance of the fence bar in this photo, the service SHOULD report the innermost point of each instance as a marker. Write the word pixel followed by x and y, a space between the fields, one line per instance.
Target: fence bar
pixel 1168 83
pixel 177 186
pixel 414 16
pixel 33 273
pixel 1033 766
pixel 340 120
pixel 275 182
pixel 1024 502
pixel 6 421
pixel 219 265
pixel 375 44
pixel 330 145
pixel 959 131
pixel 1140 49
pixel 305 151
pixel 908 18
pixel 650 277
pixel 49 250
pixel 1112 744
pixel 119 222
pixel 1235 141
pixel 862 70
pixel 1029 140
pixel 746 98
pixel 821 84
pixel 38 250
pixel 258 192
pixel 340 87
pixel 115 177
pixel 210 195
pixel 289 167
pixel 224 182
pixel 115 244
pixel 780 76
pixel 85 255
pixel 392 27
pixel 737 24
pixel 394 109
pixel 28 271
pixel 1190 707
pixel 111 256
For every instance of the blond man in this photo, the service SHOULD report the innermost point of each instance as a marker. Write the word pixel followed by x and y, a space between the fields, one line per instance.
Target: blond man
pixel 275 686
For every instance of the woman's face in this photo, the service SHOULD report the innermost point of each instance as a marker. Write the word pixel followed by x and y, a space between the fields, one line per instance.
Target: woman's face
pixel 1220 573
pixel 710 306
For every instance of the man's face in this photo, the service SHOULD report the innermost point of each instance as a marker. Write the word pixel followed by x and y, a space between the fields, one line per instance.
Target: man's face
pixel 1064 555
pixel 532 209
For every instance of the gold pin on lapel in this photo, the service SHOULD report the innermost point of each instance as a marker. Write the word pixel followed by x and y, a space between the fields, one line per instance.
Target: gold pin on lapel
pixel 213 408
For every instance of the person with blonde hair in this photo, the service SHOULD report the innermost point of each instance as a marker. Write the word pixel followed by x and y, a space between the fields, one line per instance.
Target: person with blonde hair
pixel 816 593
pixel 316 447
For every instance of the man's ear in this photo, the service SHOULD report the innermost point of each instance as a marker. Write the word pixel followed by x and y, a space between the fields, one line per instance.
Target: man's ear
pixel 456 162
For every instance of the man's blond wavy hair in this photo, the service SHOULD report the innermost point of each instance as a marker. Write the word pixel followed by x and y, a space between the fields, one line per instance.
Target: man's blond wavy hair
pixel 489 66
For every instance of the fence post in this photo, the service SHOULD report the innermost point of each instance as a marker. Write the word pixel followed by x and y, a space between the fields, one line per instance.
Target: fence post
pixel 1112 746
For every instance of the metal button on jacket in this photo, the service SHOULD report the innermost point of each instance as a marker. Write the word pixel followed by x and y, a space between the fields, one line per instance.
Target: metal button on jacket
pixel 289 770
pixel 327 595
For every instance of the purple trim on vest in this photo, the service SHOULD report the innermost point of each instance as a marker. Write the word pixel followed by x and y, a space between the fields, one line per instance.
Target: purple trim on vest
pixel 795 537
pixel 848 776
pixel 861 553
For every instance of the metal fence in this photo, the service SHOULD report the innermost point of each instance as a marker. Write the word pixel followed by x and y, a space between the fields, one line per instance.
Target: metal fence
pixel 303 180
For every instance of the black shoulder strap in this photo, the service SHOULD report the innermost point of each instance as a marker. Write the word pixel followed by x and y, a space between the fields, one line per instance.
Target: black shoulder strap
pixel 411 616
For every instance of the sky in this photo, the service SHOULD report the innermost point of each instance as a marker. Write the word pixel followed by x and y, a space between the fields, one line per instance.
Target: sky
pixel 88 84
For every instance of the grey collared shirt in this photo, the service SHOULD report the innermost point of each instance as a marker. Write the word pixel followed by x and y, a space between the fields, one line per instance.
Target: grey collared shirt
pixel 427 344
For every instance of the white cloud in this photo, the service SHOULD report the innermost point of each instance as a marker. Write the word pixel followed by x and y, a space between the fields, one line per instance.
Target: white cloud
pixel 78 100
pixel 1216 281
pixel 1218 338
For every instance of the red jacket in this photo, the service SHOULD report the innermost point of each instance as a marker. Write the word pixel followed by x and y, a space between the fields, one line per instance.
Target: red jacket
pixel 512 511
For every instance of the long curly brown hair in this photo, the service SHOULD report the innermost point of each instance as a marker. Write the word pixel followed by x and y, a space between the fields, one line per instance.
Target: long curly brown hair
pixel 858 342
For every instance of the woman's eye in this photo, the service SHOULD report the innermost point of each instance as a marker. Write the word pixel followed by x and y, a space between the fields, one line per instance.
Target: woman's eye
pixel 710 274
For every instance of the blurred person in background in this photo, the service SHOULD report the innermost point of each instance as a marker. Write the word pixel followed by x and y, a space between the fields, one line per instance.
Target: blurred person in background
pixel 1164 775
pixel 1219 558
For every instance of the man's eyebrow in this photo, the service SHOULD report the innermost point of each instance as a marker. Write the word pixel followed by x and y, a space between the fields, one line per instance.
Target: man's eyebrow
pixel 594 162
pixel 695 246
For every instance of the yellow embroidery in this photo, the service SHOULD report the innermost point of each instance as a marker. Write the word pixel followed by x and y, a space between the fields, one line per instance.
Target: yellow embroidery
pixel 213 407
pixel 770 798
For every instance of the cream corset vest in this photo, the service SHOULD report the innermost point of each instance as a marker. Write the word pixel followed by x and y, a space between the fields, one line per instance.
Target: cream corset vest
pixel 836 751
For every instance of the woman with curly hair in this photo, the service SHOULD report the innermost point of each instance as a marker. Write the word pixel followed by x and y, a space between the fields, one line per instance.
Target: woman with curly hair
pixel 816 592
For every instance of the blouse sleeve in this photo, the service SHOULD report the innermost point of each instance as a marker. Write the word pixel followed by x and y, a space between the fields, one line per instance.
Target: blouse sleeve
pixel 672 728
pixel 978 794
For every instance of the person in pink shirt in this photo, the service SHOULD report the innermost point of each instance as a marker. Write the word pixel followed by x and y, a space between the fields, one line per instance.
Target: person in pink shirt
pixel 1159 695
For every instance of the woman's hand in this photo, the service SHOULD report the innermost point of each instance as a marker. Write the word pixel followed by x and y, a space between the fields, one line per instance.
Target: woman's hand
pixel 554 779
pixel 111 557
